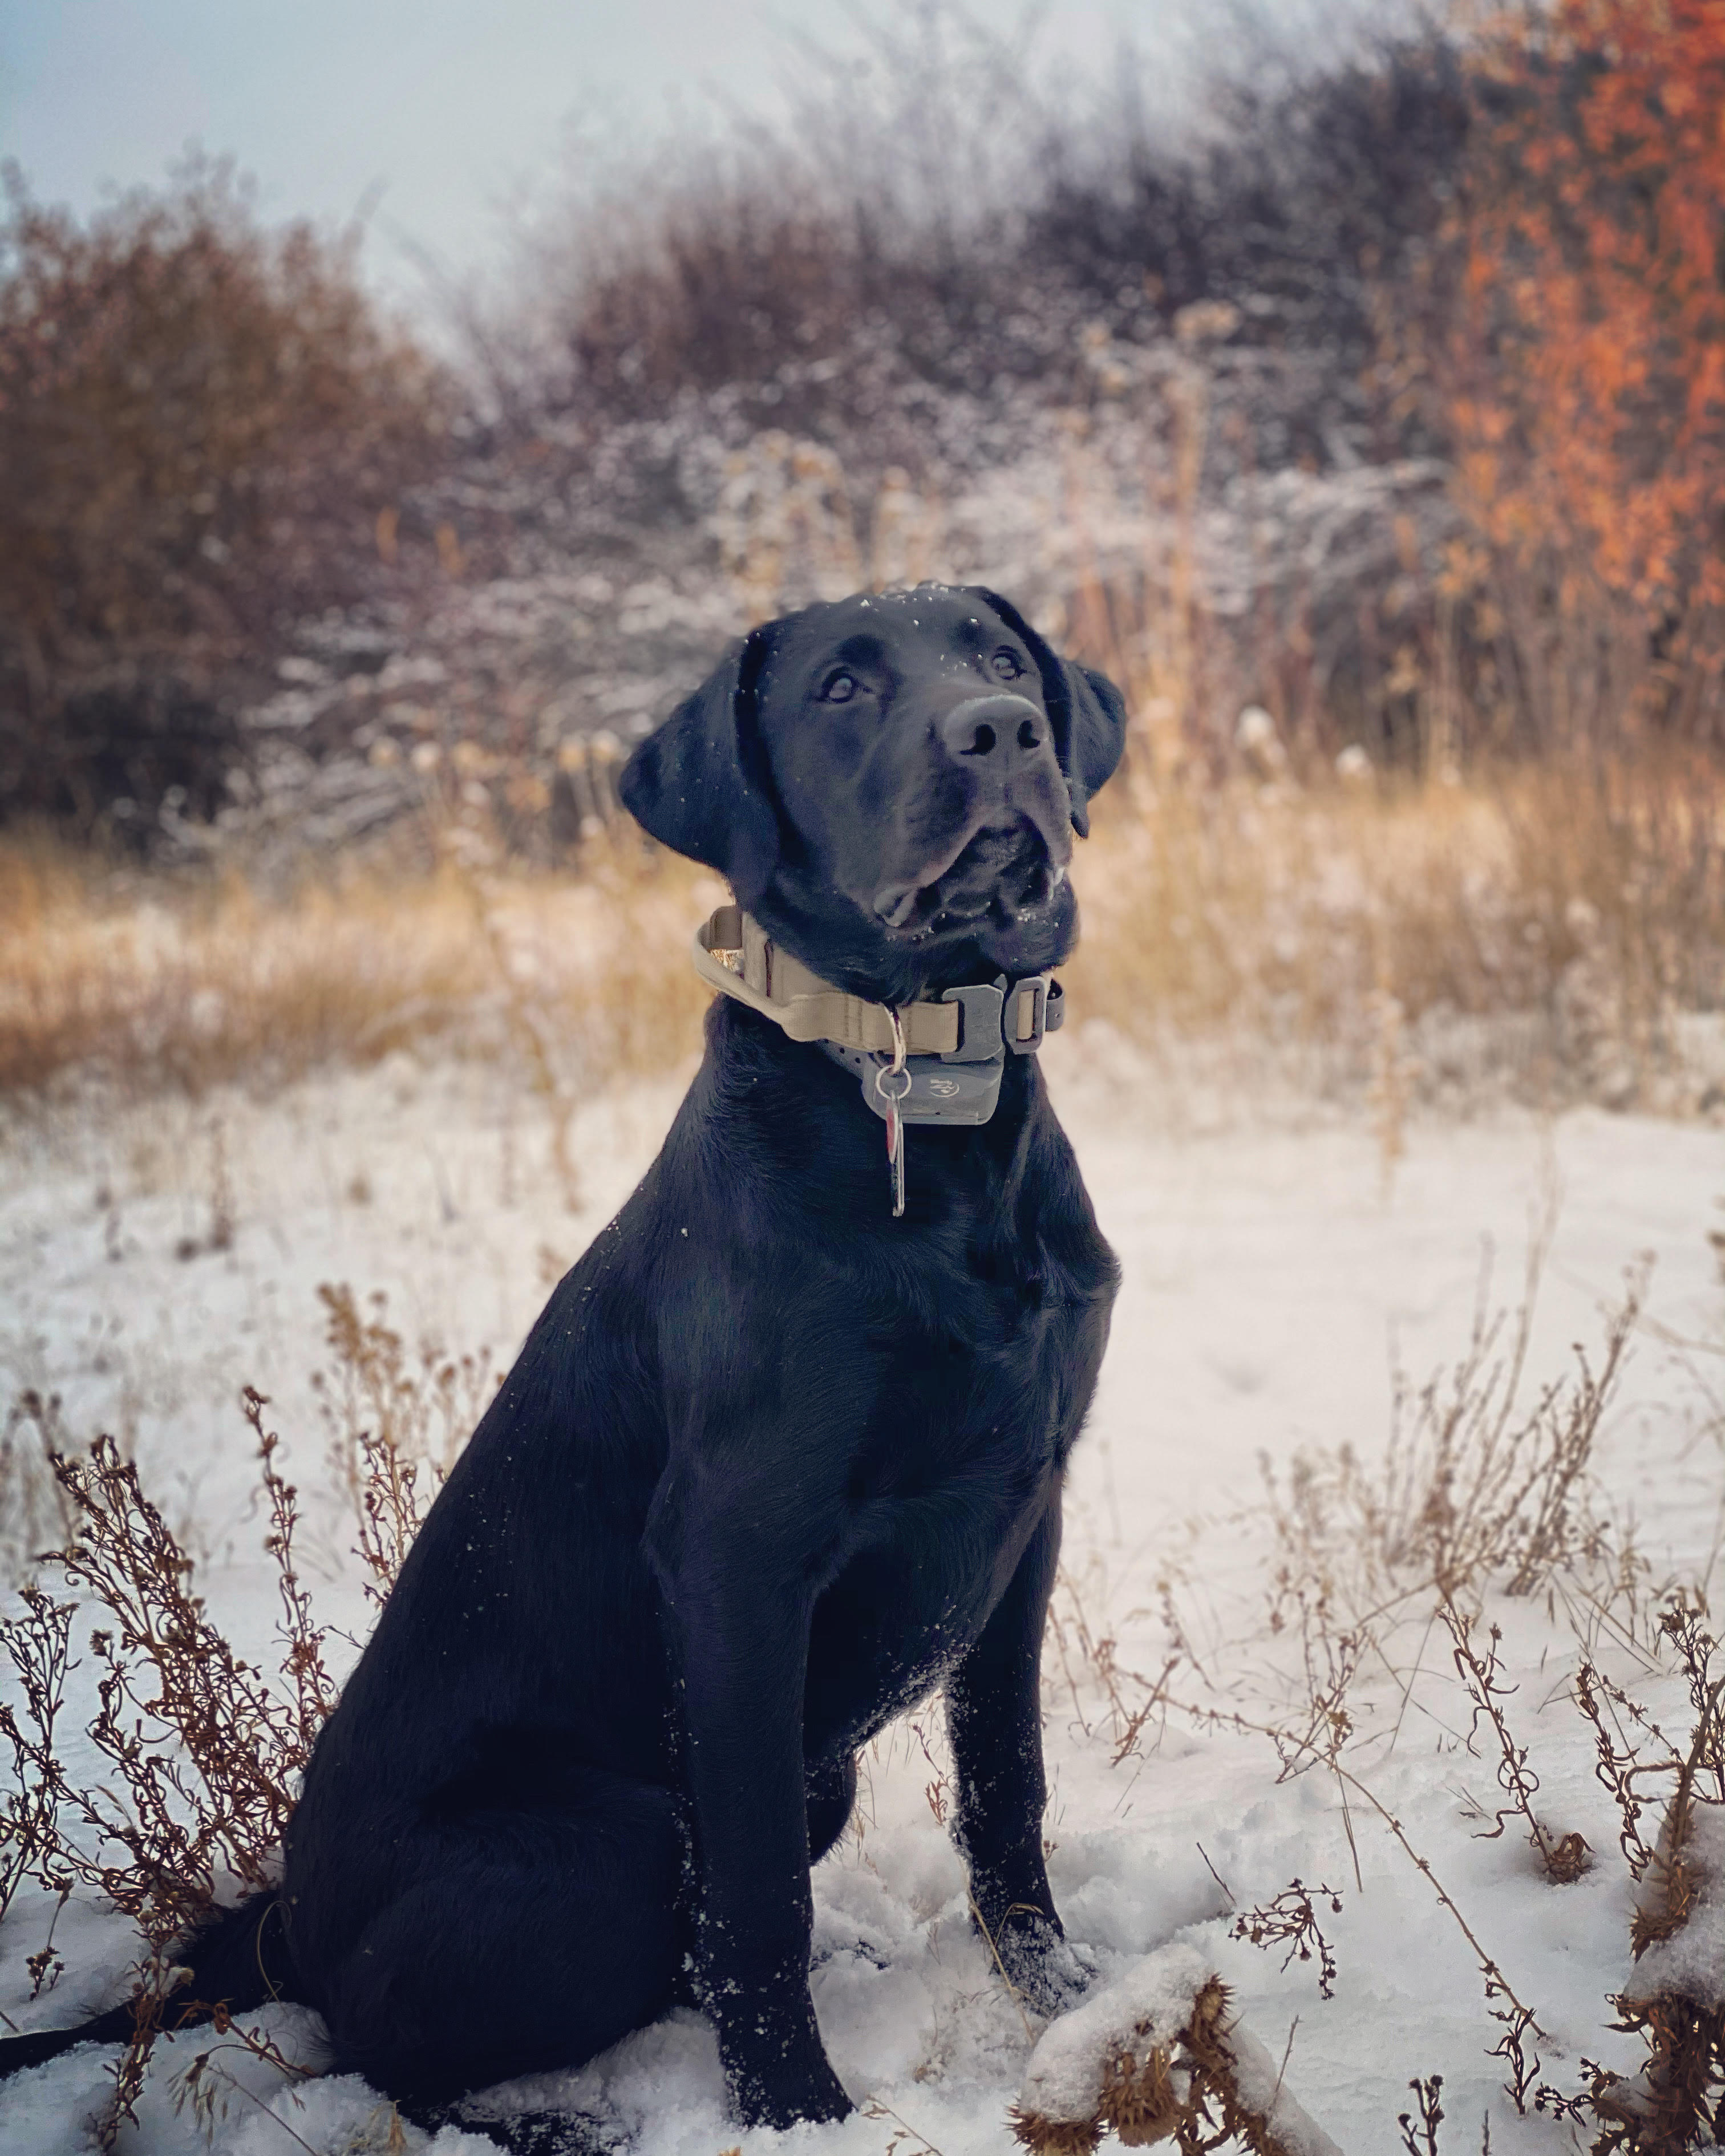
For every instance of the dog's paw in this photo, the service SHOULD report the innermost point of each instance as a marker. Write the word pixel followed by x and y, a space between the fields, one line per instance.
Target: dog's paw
pixel 834 1937
pixel 547 2133
pixel 809 2093
pixel 1047 1971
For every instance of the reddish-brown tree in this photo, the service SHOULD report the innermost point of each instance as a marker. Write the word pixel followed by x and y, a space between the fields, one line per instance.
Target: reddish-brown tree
pixel 1584 376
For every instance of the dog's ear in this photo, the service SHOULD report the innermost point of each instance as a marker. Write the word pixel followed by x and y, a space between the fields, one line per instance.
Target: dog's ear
pixel 699 783
pixel 1087 711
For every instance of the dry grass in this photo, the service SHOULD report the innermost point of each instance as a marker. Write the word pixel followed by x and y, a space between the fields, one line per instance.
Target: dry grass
pixel 1564 1857
pixel 187 985
pixel 396 1423
pixel 199 1753
pixel 1478 1485
pixel 1554 925
pixel 1543 930
pixel 1290 1919
pixel 1537 926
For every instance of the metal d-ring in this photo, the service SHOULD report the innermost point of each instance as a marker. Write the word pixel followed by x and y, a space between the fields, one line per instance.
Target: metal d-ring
pixel 895 1069
pixel 882 1072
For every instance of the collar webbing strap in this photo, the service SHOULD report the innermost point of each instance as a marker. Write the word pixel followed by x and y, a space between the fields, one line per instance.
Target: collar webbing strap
pixel 782 988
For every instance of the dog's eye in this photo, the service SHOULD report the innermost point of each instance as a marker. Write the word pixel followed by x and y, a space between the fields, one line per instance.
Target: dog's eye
pixel 838 688
pixel 1006 665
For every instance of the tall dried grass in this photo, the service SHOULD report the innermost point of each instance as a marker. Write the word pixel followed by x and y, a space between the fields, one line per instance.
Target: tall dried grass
pixel 1542 928
pixel 1478 1483
pixel 1535 923
pixel 187 985
pixel 396 1423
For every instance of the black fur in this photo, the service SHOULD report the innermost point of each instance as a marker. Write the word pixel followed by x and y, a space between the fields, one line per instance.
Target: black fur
pixel 772 1466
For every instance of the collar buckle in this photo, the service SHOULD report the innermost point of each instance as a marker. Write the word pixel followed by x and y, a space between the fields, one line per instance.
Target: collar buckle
pixel 1034 1008
pixel 995 1017
pixel 980 1007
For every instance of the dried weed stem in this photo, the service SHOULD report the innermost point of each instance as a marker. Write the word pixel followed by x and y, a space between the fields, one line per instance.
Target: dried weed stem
pixel 1563 1856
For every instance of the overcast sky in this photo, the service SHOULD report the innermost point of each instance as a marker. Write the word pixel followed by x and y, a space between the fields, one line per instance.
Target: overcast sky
pixel 431 112
pixel 437 110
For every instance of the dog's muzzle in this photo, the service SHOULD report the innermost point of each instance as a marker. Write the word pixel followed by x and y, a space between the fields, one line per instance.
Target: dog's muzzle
pixel 1009 844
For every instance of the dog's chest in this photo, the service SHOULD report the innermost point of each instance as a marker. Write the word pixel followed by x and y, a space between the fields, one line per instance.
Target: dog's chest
pixel 968 1413
pixel 957 1462
pixel 983 1358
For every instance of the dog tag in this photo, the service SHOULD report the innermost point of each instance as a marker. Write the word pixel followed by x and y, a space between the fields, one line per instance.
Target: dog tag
pixel 892 1081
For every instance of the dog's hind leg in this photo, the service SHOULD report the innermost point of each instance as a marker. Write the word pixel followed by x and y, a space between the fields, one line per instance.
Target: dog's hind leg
pixel 534 1936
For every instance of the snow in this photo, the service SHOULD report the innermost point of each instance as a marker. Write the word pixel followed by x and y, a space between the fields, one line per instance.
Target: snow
pixel 1691 1962
pixel 1271 1288
pixel 1263 2089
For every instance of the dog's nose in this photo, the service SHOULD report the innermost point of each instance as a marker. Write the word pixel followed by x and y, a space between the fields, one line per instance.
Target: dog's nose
pixel 993 731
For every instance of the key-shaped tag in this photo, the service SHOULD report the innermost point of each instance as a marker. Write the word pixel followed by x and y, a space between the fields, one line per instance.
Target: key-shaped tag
pixel 892 1084
pixel 895 1158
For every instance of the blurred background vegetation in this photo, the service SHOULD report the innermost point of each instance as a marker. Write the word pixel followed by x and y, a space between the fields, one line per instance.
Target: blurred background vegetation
pixel 1370 430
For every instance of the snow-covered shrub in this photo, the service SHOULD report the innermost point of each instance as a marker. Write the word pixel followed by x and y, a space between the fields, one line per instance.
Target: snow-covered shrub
pixel 1158 2056
pixel 1530 933
pixel 1674 1998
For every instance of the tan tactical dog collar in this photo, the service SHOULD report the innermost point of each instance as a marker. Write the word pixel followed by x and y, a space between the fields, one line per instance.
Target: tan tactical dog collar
pixel 922 1063
pixel 735 954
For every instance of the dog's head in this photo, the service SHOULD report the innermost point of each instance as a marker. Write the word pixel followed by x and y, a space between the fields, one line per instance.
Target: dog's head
pixel 891 784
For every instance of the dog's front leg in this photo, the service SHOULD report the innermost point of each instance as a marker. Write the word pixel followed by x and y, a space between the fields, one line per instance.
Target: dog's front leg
pixel 739 1638
pixel 995 1719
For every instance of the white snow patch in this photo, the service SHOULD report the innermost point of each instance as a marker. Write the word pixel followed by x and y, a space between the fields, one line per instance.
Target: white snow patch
pixel 1263 2089
pixel 1265 1276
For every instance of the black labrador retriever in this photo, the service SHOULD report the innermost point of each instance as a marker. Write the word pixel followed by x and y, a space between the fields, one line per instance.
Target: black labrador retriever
pixel 775 1463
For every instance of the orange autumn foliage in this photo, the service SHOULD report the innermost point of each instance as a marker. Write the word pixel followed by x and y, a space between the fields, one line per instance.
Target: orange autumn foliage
pixel 1585 375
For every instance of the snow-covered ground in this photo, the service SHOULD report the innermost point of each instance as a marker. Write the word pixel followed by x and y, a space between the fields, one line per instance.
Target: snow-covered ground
pixel 1271 1287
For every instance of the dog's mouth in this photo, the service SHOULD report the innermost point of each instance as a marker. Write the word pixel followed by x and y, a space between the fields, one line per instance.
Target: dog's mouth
pixel 999 876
